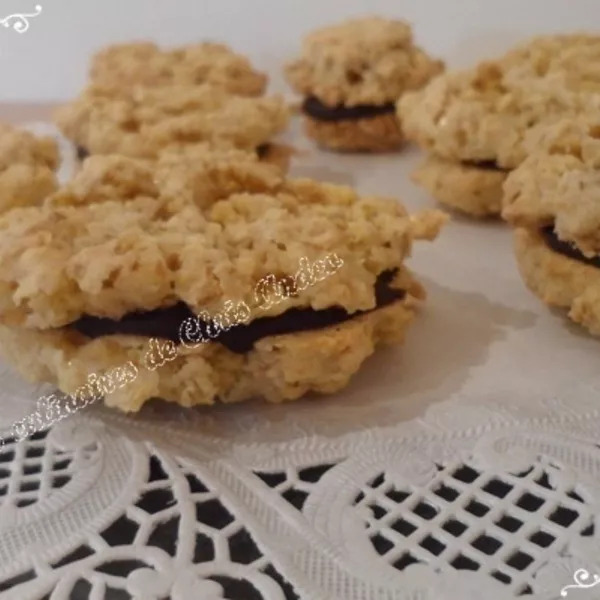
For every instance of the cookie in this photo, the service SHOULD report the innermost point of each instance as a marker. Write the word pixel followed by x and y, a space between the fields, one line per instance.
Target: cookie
pixel 372 134
pixel 351 76
pixel 559 280
pixel 552 199
pixel 27 167
pixel 484 114
pixel 122 66
pixel 146 121
pixel 277 368
pixel 468 188
pixel 207 274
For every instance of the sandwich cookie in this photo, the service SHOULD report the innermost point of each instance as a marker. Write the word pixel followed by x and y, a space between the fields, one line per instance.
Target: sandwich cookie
pixel 473 123
pixel 553 201
pixel 351 75
pixel 203 277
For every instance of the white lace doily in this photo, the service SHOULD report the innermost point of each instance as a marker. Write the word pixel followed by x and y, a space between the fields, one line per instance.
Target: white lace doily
pixel 463 466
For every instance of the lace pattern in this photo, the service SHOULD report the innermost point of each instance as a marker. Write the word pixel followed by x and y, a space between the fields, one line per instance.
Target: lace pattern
pixel 96 509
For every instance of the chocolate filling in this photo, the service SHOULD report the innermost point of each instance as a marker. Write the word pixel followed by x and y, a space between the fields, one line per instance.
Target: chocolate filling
pixel 82 153
pixel 485 165
pixel 263 150
pixel 321 112
pixel 165 322
pixel 567 248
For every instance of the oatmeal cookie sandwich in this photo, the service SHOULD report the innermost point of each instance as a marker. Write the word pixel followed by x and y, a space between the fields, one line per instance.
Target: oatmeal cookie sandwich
pixel 351 75
pixel 146 121
pixel 553 201
pixel 27 167
pixel 473 123
pixel 203 277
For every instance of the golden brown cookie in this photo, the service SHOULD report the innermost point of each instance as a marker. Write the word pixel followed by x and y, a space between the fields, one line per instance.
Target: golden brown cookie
pixel 559 280
pixel 351 75
pixel 559 183
pixel 239 282
pixel 472 189
pixel 122 66
pixel 278 368
pixel 553 199
pixel 485 114
pixel 147 121
pixel 27 167
pixel 371 134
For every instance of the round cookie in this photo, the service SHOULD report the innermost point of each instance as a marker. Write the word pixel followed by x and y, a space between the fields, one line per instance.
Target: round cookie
pixel 484 114
pixel 122 66
pixel 27 167
pixel 207 275
pixel 559 280
pixel 351 75
pixel 146 121
pixel 553 200
pixel 278 368
pixel 471 189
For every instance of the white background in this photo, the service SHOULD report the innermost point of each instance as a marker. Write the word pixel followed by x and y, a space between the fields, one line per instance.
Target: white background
pixel 48 62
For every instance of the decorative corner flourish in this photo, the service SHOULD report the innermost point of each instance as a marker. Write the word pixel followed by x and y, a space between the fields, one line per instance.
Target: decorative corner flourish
pixel 20 21
pixel 583 580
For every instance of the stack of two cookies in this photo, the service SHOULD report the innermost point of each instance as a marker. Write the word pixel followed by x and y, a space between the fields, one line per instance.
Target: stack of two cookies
pixel 351 76
pixel 519 137
pixel 553 201
pixel 203 276
pixel 474 123
pixel 142 100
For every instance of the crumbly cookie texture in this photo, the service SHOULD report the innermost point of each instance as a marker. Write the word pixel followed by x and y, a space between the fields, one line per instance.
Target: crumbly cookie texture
pixel 484 113
pixel 559 183
pixel 373 134
pixel 18 146
pixel 470 189
pixel 146 121
pixel 122 66
pixel 278 368
pixel 127 235
pixel 363 61
pixel 27 165
pixel 559 280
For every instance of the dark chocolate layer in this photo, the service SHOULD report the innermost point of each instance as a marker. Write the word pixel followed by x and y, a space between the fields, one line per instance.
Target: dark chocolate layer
pixel 82 153
pixel 165 322
pixel 261 151
pixel 321 112
pixel 485 165
pixel 567 248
